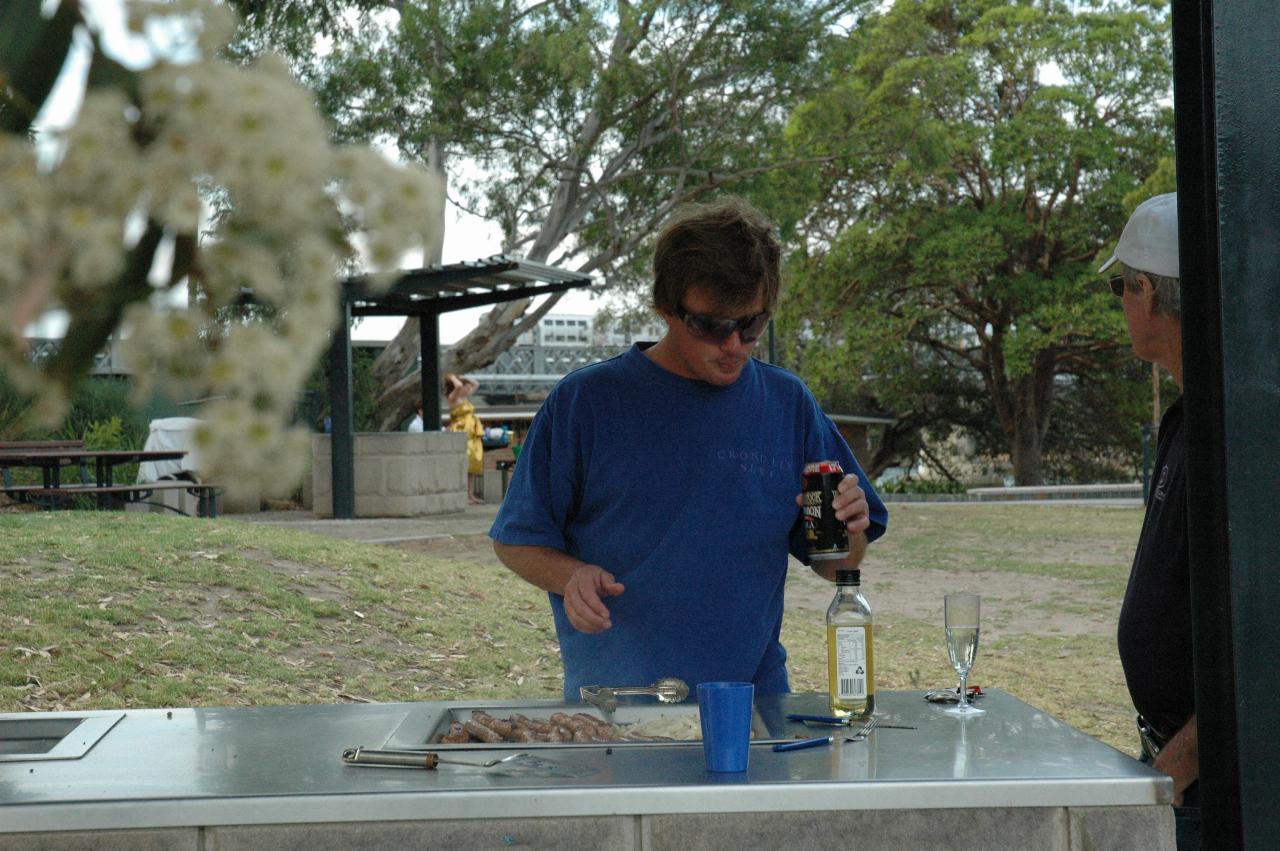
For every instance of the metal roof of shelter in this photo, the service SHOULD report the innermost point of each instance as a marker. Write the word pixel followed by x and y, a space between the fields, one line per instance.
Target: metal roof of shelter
pixel 425 294
pixel 457 286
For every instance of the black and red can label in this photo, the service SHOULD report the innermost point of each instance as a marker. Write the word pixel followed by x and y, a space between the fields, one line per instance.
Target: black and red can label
pixel 826 536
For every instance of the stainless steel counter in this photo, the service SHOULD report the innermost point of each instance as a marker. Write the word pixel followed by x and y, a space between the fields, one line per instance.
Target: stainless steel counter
pixel 281 765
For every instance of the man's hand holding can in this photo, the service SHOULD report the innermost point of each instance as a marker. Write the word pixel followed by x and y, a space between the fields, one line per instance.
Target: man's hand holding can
pixel 850 504
pixel 836 515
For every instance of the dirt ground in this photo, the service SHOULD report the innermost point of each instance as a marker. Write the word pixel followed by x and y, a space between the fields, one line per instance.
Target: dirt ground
pixel 1012 603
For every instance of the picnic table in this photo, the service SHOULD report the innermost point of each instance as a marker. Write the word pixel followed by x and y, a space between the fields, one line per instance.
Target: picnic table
pixel 52 492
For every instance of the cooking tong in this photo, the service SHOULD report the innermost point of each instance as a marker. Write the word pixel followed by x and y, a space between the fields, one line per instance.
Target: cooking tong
pixel 666 690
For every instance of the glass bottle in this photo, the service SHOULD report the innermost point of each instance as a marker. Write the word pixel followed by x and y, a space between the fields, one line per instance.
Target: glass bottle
pixel 850 657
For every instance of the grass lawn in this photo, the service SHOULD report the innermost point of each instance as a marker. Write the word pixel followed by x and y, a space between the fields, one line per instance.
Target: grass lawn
pixel 121 609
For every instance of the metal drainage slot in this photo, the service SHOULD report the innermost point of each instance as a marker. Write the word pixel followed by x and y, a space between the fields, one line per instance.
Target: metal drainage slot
pixel 52 735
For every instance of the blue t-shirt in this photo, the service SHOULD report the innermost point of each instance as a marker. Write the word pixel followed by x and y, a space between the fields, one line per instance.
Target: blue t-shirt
pixel 686 493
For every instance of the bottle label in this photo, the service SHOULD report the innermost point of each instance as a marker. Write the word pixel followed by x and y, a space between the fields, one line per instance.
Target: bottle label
pixel 851 662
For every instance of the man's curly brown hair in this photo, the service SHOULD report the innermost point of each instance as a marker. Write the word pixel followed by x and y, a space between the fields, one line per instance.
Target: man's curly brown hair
pixel 726 249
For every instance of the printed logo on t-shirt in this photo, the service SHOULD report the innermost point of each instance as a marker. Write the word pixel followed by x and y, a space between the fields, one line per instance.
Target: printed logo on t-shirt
pixel 1162 486
pixel 763 464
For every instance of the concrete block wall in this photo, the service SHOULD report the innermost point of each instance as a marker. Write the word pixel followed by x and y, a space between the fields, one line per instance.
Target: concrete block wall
pixel 1039 828
pixel 397 474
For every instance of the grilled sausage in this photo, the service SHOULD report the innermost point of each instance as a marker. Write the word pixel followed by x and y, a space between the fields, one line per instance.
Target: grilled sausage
pixel 457 735
pixel 560 733
pixel 502 727
pixel 582 730
pixel 601 729
pixel 481 732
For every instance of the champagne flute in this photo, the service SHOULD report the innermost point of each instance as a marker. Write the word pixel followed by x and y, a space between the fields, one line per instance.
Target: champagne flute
pixel 961 613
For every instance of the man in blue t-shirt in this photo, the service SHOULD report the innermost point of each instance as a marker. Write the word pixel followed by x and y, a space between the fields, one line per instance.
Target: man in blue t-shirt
pixel 657 493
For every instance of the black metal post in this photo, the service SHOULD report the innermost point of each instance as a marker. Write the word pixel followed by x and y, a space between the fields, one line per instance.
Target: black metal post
pixel 429 335
pixel 342 438
pixel 1227 102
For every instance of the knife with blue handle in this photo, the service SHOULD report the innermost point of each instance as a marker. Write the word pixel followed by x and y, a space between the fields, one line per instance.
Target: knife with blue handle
pixel 841 722
pixel 801 744
pixel 822 719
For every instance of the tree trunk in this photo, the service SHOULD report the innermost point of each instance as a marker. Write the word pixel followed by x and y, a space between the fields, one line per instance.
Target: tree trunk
pixel 900 440
pixel 500 327
pixel 1032 397
pixel 398 400
pixel 1025 452
pixel 395 364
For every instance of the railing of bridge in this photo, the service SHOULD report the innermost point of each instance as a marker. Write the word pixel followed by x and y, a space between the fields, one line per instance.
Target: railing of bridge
pixel 520 369
pixel 532 368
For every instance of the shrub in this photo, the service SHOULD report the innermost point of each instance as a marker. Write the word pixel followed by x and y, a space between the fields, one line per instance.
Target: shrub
pixel 907 485
pixel 99 400
pixel 105 435
pixel 314 406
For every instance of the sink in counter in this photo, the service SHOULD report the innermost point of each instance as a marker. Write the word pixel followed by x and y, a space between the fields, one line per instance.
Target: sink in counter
pixel 52 735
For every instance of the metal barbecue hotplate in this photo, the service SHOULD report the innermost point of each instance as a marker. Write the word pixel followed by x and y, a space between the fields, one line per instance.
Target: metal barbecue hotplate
pixel 424 725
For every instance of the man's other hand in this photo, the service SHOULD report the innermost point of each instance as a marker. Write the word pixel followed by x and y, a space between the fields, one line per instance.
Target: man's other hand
pixel 582 598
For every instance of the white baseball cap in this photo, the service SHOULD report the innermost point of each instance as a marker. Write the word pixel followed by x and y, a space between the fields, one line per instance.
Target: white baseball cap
pixel 1149 241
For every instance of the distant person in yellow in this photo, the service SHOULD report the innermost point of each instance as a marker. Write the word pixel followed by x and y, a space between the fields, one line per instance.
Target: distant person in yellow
pixel 462 417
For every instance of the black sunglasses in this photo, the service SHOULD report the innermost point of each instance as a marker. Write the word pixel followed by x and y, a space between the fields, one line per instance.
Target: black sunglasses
pixel 1116 282
pixel 708 327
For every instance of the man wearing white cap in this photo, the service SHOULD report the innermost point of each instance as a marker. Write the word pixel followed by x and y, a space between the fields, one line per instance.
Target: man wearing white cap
pixel 1154 635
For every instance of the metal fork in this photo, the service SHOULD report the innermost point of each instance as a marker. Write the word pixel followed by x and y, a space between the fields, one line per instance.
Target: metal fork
pixel 864 730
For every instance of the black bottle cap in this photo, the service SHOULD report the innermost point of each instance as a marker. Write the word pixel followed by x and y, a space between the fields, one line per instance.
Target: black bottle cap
pixel 848 577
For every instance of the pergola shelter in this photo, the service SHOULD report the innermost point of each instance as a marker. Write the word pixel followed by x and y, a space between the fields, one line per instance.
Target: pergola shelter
pixel 423 294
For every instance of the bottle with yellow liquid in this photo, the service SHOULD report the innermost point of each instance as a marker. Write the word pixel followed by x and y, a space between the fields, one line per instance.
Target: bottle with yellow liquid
pixel 850 659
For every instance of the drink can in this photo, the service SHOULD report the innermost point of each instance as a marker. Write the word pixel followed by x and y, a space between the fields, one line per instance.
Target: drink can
pixel 826 536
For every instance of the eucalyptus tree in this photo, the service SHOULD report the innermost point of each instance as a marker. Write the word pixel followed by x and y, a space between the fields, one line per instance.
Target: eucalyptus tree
pixel 577 126
pixel 986 149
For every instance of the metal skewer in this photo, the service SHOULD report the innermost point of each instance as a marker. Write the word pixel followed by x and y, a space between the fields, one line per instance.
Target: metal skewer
pixel 415 759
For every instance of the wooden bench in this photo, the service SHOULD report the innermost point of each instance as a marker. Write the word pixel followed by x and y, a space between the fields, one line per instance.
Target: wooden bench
pixel 41 446
pixel 120 495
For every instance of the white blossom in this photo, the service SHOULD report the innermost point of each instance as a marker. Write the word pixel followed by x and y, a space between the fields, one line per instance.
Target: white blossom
pixel 238 159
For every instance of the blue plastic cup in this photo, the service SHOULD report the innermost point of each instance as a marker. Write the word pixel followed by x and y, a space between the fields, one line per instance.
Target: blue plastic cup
pixel 725 712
